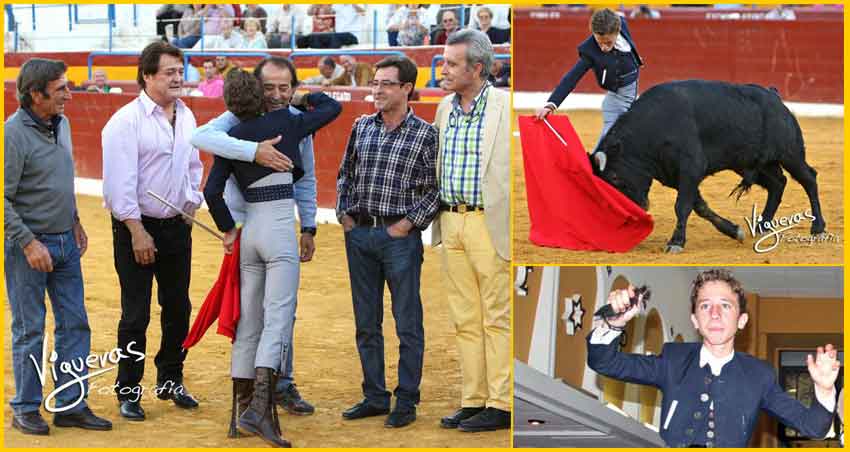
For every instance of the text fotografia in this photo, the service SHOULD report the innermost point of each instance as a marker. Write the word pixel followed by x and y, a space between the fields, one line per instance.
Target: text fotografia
pixel 77 369
pixel 769 234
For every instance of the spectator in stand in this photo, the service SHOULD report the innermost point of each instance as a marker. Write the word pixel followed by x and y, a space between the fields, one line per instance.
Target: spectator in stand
pixel 500 74
pixel 485 20
pixel 214 15
pixel 328 71
pixel 213 84
pixel 189 28
pixel 781 12
pixel 168 15
pixel 349 19
pixel 412 32
pixel 223 65
pixel 450 25
pixel 500 16
pixel 230 38
pixel 100 84
pixel 257 12
pixel 323 18
pixel 644 12
pixel 253 38
pixel 396 22
pixel 280 26
pixel 356 74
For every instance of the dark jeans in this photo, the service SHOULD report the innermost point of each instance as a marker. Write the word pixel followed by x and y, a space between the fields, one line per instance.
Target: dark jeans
pixel 373 258
pixel 173 240
pixel 72 337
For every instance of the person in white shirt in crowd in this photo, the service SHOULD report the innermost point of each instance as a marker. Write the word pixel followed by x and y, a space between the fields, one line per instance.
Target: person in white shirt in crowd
pixel 500 16
pixel 280 26
pixel 350 19
pixel 254 39
pixel 230 38
pixel 412 32
pixel 257 12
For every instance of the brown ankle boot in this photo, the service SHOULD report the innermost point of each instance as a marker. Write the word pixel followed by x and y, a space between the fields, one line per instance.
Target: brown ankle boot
pixel 243 389
pixel 260 417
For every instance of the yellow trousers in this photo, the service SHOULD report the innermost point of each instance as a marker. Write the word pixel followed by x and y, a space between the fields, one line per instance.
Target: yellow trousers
pixel 477 283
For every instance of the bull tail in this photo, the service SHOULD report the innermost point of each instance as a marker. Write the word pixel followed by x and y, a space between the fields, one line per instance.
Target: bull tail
pixel 742 188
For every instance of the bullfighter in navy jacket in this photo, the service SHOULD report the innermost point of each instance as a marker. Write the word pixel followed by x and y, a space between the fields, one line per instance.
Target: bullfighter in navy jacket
pixel 712 394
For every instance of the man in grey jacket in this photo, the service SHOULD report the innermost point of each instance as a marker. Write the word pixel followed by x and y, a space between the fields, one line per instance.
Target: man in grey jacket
pixel 43 243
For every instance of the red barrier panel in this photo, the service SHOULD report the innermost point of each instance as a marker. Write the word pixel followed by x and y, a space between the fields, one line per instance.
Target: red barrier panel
pixel 89 112
pixel 802 58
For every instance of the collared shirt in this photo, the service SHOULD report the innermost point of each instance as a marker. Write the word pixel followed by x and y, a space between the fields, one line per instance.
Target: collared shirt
pixel 388 173
pixel 460 171
pixel 716 364
pixel 141 152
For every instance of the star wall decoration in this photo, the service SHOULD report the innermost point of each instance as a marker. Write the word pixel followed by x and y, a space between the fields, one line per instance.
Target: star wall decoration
pixel 573 313
pixel 521 280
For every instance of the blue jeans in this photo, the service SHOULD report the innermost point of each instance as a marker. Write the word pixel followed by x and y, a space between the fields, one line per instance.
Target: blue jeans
pixel 72 338
pixel 373 258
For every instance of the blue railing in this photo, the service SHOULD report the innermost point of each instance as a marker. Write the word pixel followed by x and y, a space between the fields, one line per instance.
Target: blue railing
pixel 437 58
pixel 313 53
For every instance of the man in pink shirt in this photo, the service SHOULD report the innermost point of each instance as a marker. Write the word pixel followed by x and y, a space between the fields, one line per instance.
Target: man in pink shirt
pixel 146 147
pixel 213 84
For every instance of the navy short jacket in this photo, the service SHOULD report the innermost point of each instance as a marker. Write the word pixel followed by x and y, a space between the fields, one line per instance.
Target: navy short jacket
pixel 613 69
pixel 744 386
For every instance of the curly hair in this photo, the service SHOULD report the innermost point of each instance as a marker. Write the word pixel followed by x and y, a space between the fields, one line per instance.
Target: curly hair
pixel 243 94
pixel 604 22
pixel 718 274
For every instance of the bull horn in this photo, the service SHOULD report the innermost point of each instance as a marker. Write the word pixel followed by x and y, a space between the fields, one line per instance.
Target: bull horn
pixel 601 160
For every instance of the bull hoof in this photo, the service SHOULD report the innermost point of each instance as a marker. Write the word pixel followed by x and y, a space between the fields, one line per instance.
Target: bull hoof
pixel 739 235
pixel 674 249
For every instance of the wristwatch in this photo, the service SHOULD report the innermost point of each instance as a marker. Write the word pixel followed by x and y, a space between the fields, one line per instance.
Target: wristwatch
pixel 311 231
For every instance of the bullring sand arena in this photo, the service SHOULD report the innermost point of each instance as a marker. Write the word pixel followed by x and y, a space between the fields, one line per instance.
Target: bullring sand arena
pixel 327 368
pixel 824 139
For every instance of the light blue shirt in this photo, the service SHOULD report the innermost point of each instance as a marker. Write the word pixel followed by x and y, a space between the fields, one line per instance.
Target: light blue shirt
pixel 212 137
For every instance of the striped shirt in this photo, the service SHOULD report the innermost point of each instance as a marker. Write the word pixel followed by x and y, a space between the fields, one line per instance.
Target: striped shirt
pixel 388 173
pixel 461 164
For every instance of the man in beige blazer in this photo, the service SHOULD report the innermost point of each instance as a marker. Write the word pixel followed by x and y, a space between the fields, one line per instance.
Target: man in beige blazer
pixel 473 171
pixel 356 74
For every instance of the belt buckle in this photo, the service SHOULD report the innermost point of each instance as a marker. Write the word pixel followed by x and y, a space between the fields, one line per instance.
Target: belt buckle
pixel 461 208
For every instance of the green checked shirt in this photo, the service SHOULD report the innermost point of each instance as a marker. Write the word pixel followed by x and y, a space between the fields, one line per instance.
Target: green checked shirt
pixel 460 172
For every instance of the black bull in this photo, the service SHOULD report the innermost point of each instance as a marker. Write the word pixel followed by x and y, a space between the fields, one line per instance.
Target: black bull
pixel 681 132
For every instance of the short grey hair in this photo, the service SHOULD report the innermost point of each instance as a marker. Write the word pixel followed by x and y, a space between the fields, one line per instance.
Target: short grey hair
pixel 35 75
pixel 479 48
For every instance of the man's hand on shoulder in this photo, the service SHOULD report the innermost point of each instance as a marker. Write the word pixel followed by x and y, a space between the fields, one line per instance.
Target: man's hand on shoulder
pixel 267 155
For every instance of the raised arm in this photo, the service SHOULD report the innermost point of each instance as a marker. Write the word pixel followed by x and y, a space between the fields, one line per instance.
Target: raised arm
pixel 325 110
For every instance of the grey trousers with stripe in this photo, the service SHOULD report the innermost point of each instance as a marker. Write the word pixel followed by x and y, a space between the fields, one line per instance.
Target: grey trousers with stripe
pixel 269 271
pixel 614 105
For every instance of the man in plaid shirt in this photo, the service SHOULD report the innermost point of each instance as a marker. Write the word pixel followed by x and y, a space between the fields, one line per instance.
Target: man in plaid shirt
pixel 386 196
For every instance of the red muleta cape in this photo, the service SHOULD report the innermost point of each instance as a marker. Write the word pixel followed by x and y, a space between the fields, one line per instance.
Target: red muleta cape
pixel 222 302
pixel 568 206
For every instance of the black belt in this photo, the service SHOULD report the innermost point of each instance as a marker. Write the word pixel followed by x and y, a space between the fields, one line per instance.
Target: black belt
pixel 268 193
pixel 362 219
pixel 460 208
pixel 162 221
